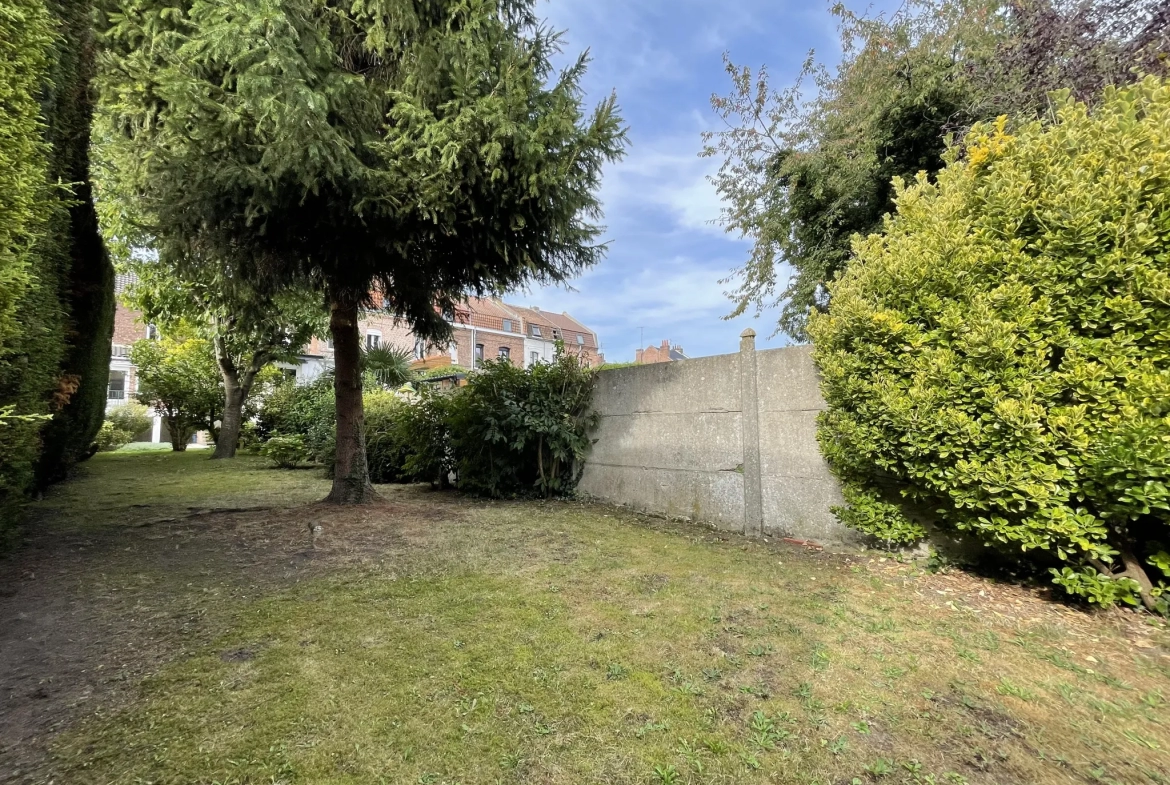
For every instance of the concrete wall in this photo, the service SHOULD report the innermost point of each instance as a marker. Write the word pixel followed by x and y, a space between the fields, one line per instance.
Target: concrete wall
pixel 727 440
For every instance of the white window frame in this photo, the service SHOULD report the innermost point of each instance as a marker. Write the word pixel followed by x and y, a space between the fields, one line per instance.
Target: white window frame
pixel 535 331
pixel 373 334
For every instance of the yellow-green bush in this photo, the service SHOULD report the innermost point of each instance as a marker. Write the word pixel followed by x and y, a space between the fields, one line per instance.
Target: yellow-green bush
pixel 1001 350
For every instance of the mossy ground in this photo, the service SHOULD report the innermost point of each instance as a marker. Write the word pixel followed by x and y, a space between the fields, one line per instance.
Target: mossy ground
pixel 439 639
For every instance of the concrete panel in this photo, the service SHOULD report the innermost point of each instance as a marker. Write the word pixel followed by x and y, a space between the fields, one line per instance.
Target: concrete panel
pixel 708 384
pixel 691 441
pixel 707 497
pixel 788 445
pixel 788 380
pixel 799 507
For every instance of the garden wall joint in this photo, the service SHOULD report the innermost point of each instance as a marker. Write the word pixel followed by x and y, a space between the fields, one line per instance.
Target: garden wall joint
pixel 728 440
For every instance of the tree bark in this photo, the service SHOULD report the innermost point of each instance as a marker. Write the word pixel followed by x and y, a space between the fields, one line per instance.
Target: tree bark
pixel 178 435
pixel 230 423
pixel 236 389
pixel 1135 570
pixel 351 472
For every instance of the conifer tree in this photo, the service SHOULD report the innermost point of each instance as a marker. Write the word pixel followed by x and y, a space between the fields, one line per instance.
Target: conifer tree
pixel 421 149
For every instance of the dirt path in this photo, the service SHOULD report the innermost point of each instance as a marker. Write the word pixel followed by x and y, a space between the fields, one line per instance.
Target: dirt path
pixel 83 617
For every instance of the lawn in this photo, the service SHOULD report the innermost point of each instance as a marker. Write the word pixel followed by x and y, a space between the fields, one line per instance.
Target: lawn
pixel 435 638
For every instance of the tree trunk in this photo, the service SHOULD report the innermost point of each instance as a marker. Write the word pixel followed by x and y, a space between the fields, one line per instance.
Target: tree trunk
pixel 232 420
pixel 178 437
pixel 351 473
pixel 1135 570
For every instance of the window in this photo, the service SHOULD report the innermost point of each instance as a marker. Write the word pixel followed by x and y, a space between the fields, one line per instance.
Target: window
pixel 420 348
pixel 117 387
pixel 329 344
pixel 373 340
pixel 479 352
pixel 580 339
pixel 505 353
pixel 151 332
pixel 534 358
pixel 507 325
pixel 556 334
pixel 536 331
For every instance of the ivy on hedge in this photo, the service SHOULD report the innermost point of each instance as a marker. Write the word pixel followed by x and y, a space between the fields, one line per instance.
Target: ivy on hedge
pixel 1001 350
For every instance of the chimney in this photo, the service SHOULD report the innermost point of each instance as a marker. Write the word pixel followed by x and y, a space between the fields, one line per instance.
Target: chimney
pixel 666 347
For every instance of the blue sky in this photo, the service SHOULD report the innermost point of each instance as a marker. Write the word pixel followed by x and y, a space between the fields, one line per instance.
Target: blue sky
pixel 664 59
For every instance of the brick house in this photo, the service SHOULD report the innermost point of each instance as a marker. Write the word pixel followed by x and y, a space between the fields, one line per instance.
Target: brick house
pixel 123 384
pixel 659 354
pixel 482 329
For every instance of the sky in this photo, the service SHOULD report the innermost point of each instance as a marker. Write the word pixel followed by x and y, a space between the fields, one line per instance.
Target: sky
pixel 667 254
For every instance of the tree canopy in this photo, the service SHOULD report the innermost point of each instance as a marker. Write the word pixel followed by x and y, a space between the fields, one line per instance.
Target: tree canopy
pixel 424 149
pixel 807 166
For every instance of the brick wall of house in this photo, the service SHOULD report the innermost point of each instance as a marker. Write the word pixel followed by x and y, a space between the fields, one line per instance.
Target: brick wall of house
pixel 653 354
pixel 128 326
pixel 491 345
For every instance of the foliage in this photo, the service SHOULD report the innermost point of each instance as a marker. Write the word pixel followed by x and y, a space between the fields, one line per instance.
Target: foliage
pixel 1080 47
pixel 517 431
pixel 388 366
pixel 248 329
pixel 285 452
pixel 426 430
pixel 808 166
pixel 55 286
pixel 886 522
pixel 305 409
pixel 421 151
pixel 801 175
pixel 1000 349
pixel 178 377
pixel 121 425
pixel 83 281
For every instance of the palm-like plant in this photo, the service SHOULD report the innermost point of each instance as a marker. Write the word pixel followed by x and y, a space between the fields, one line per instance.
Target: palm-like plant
pixel 388 365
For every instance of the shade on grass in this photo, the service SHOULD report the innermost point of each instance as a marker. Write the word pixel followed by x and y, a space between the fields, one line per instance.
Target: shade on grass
pixel 483 642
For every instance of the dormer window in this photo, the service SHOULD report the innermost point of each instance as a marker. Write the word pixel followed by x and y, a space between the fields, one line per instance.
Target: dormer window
pixel 536 331
pixel 507 325
pixel 580 339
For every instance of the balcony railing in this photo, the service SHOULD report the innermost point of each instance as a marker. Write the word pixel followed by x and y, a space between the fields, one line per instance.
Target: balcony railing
pixel 115 395
pixel 119 350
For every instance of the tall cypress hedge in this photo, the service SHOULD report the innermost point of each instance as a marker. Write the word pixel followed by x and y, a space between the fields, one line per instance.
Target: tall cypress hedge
pixel 56 282
pixel 86 287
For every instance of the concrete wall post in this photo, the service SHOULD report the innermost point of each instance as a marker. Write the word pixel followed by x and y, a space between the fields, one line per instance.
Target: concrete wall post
pixel 753 481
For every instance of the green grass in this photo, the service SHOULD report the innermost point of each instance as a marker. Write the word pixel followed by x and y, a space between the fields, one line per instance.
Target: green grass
pixel 477 642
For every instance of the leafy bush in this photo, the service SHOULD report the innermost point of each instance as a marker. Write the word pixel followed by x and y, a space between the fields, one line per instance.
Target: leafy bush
pixel 306 409
pixel 133 418
pixel 1001 350
pixel 286 452
pixel 521 431
pixel 425 426
pixel 121 425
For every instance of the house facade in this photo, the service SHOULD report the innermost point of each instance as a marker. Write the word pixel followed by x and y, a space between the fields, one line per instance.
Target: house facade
pixel 129 328
pixel 481 329
pixel 664 353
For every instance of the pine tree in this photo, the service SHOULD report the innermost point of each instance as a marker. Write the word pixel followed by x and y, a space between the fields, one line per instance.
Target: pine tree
pixel 423 149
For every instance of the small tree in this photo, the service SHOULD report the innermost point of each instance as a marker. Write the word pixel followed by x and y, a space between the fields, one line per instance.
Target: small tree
pixel 419 150
pixel 999 351
pixel 247 329
pixel 179 379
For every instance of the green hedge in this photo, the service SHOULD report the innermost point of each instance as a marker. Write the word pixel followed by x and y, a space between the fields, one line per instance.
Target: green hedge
pixel 1000 353
pixel 509 432
pixel 56 282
